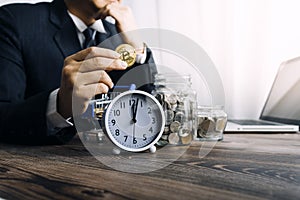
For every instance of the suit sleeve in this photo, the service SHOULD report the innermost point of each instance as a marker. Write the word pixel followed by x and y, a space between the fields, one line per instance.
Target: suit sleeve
pixel 22 118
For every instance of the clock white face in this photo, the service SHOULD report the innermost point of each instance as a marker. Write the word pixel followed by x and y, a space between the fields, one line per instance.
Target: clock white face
pixel 134 120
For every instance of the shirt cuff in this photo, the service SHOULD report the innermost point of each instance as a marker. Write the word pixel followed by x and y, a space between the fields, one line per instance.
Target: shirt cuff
pixel 55 121
pixel 141 57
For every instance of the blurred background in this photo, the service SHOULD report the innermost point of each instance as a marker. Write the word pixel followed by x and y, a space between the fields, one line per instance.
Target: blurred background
pixel 246 39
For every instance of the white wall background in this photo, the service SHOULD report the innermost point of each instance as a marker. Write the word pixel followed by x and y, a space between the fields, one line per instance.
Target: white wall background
pixel 246 39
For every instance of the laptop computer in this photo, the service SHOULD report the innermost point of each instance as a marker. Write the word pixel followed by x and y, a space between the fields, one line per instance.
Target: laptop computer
pixel 281 112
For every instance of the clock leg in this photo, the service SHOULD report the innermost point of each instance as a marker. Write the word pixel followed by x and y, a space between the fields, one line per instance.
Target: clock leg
pixel 152 149
pixel 116 151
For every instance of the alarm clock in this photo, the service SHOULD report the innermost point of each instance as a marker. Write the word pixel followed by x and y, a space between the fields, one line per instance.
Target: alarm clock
pixel 134 121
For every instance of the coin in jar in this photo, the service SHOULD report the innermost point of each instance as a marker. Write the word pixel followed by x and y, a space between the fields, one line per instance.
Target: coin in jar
pixel 169 115
pixel 174 127
pixel 184 132
pixel 207 126
pixel 127 53
pixel 187 139
pixel 172 99
pixel 173 138
pixel 200 120
pixel 180 117
pixel 166 130
pixel 220 124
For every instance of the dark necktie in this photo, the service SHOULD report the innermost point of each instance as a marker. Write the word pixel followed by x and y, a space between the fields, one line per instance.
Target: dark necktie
pixel 100 37
pixel 89 38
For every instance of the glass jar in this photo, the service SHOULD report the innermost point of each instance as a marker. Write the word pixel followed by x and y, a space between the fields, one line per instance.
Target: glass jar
pixel 210 123
pixel 178 100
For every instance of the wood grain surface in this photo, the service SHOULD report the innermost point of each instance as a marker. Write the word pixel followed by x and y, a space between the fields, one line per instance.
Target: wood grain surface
pixel 243 166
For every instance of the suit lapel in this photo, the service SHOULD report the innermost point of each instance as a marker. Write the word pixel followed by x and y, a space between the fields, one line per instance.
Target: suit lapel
pixel 67 40
pixel 111 31
pixel 66 37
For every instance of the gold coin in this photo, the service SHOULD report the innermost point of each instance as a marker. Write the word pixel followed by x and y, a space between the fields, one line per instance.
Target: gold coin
pixel 221 124
pixel 99 112
pixel 128 53
pixel 187 139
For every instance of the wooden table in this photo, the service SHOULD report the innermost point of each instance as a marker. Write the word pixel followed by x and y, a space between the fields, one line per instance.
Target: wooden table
pixel 243 166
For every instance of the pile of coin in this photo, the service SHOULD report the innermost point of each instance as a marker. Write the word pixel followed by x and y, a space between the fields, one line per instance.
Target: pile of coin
pixel 210 128
pixel 179 122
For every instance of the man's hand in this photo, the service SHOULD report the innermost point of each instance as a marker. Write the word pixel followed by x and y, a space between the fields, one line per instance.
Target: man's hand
pixel 125 21
pixel 84 75
pixel 124 17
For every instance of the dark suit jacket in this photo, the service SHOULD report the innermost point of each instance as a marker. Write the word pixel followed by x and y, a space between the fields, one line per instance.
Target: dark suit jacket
pixel 34 41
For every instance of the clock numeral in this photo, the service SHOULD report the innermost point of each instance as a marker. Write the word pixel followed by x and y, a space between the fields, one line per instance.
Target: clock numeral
pixel 113 122
pixel 122 104
pixel 117 113
pixel 125 136
pixel 149 110
pixel 150 130
pixel 153 120
pixel 117 132
pixel 134 140
pixel 144 137
pixel 131 102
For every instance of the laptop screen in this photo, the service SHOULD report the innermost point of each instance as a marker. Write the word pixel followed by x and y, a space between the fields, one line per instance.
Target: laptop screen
pixel 283 103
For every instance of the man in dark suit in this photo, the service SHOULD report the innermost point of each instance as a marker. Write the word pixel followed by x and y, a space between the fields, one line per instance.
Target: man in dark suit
pixel 43 62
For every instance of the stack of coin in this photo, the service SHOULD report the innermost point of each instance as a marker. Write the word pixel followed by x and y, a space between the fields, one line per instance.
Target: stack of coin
pixel 210 123
pixel 206 126
pixel 179 125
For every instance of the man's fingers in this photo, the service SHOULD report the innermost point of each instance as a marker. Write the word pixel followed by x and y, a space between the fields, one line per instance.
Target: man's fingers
pixel 97 63
pixel 92 52
pixel 117 65
pixel 89 91
pixel 94 77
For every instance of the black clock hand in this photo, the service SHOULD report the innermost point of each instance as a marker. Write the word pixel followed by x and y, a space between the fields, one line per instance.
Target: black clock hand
pixel 133 134
pixel 132 111
pixel 135 110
